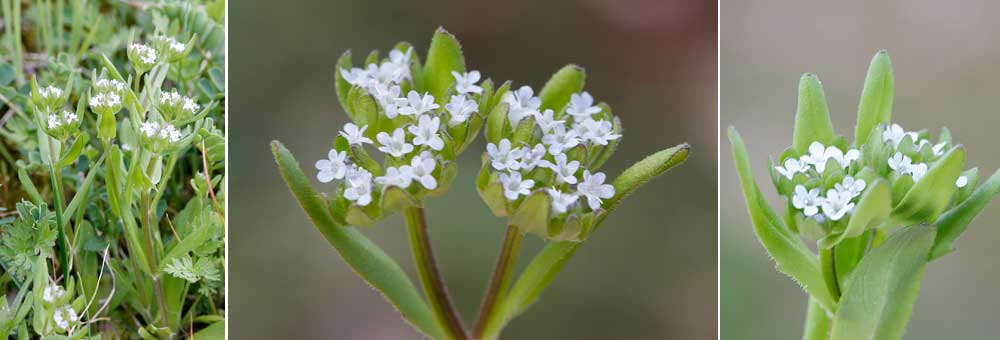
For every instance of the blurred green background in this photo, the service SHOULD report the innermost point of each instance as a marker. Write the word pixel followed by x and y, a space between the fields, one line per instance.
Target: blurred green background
pixel 945 56
pixel 650 273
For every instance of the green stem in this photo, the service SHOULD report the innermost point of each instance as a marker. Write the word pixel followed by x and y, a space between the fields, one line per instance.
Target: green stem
pixel 877 238
pixel 147 223
pixel 62 238
pixel 828 260
pixel 499 281
pixel 430 276
pixel 817 322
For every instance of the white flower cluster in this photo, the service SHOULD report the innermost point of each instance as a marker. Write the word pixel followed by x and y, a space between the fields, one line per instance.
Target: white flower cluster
pixel 516 162
pixel 384 75
pixel 161 131
pixel 145 53
pixel 65 317
pixel 109 85
pixel 103 101
pixel 176 102
pixel 50 92
pixel 52 292
pixel 171 43
pixel 66 118
pixel 903 164
pixel 838 200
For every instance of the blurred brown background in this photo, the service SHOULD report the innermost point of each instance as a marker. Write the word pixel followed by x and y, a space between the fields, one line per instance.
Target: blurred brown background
pixel 945 55
pixel 649 274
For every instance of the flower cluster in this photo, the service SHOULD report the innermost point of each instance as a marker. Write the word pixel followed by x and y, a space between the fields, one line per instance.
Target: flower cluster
pixel 159 136
pixel 169 48
pixel 67 120
pixel 49 99
pixel 838 200
pixel 142 56
pixel 64 316
pixel 174 106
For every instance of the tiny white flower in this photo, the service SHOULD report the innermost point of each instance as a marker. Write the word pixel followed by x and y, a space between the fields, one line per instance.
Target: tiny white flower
pixel 819 155
pixel 938 148
pixel 64 317
pixel 503 156
pixel 417 104
pixel 561 201
pixel 426 132
pixel 597 132
pixel 398 177
pixel 565 171
pixel 809 201
pixel 145 53
pixel 460 108
pixel 401 61
pixel 466 83
pixel 52 292
pixel 560 140
pixel 355 135
pixel 334 167
pixel 900 162
pixel 850 156
pixel 581 106
pixel 546 120
pixel 893 133
pixel 355 76
pixel 593 188
pixel 358 186
pixel 962 181
pixel 54 122
pixel 837 204
pixel 150 128
pixel 918 171
pixel 514 186
pixel 394 144
pixel 852 187
pixel 791 167
pixel 190 105
pixel 50 92
pixel 532 157
pixel 423 167
pixel 521 104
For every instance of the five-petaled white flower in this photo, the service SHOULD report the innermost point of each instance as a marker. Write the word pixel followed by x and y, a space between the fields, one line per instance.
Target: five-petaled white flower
pixel 850 186
pixel 355 76
pixel 460 108
pixel 334 167
pixel 426 132
pixel 581 106
pixel 358 186
pixel 560 140
pixel 466 83
pixel 597 132
pixel 837 204
pixel 547 121
pixel 809 201
pixel 819 155
pixel 394 144
pixel 514 186
pixel 791 167
pixel 521 103
pixel 903 165
pixel 561 201
pixel 423 170
pixel 593 188
pixel 565 171
pixel 503 156
pixel 532 157
pixel 355 135
pixel 895 134
pixel 397 177
pixel 417 104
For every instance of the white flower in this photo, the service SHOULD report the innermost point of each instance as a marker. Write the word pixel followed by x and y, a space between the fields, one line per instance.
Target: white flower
pixel 395 144
pixel 561 201
pixel 514 186
pixel 559 140
pixel 792 166
pixel 900 162
pixel 532 157
pixel 938 148
pixel 581 106
pixel 594 189
pixel 422 168
pixel 50 92
pixel 190 105
pixel 145 53
pixel 358 186
pixel 598 132
pixel 355 135
pixel 170 133
pixel 521 103
pixel 918 171
pixel 335 167
pixel 388 73
pixel 808 201
pixel 401 61
pixel 460 108
pixel 417 104
pixel 837 204
pixel 426 132
pixel 850 186
pixel 503 156
pixel 565 172
pixel 64 317
pixel 466 83
pixel 52 292
pixel 356 76
pixel 398 177
pixel 102 101
pixel 546 120
pixel 850 156
pixel 819 155
pixel 54 122
pixel 962 181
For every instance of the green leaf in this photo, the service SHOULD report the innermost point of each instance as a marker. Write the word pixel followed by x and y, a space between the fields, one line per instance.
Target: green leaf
pixel 791 254
pixel 817 323
pixel 565 82
pixel 953 223
pixel 872 209
pixel 74 151
pixel 532 216
pixel 812 117
pixel 395 199
pixel 878 297
pixel 443 57
pixel 931 194
pixel 343 87
pixel 876 98
pixel 496 121
pixel 644 171
pixel 367 260
pixel 215 331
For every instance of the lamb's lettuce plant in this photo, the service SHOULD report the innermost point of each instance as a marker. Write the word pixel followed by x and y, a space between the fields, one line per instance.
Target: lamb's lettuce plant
pixel 879 209
pixel 409 123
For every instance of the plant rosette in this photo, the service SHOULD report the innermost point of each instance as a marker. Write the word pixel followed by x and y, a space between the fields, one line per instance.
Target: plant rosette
pixel 889 193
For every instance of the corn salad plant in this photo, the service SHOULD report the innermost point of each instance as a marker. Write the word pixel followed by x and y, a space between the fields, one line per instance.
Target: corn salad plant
pixel 112 189
pixel 878 208
pixel 540 170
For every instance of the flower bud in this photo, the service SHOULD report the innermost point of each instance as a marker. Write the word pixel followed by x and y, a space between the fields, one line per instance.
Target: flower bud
pixel 169 49
pixel 143 57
